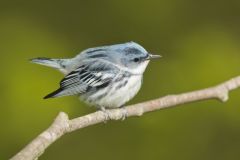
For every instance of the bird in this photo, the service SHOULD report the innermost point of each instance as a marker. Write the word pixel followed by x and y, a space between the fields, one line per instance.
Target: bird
pixel 106 77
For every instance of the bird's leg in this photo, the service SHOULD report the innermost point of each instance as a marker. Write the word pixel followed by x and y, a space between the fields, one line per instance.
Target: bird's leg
pixel 106 114
pixel 125 113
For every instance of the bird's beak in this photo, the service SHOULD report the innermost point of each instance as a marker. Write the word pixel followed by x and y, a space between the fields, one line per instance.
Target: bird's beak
pixel 151 56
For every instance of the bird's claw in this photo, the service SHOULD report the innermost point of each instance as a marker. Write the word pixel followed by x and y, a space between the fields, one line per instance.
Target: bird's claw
pixel 124 114
pixel 106 114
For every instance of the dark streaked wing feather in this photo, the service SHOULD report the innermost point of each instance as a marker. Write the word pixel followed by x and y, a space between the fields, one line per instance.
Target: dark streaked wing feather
pixel 95 74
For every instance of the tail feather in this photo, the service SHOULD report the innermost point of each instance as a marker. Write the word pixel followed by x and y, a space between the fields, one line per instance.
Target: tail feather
pixel 60 64
pixel 54 63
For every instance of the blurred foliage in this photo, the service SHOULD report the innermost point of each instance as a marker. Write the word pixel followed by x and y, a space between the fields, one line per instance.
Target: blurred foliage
pixel 199 41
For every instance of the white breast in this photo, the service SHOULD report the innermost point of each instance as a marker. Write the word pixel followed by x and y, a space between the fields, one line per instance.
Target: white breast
pixel 118 97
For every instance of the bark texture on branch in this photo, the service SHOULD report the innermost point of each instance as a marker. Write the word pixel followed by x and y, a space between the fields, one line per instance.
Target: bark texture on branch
pixel 62 124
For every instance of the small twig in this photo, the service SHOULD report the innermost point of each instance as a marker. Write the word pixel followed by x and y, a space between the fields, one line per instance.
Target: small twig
pixel 63 125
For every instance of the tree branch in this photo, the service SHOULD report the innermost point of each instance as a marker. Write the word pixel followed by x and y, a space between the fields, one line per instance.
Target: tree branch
pixel 62 124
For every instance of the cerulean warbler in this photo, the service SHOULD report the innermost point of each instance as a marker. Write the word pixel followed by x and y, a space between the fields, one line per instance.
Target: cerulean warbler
pixel 106 77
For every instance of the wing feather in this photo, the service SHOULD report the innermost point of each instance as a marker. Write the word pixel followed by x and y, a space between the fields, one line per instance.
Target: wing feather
pixel 88 76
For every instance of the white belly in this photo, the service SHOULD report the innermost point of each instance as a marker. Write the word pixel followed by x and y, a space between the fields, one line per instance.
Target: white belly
pixel 118 97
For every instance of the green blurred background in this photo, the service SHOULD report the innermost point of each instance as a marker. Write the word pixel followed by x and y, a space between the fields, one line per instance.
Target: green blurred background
pixel 199 41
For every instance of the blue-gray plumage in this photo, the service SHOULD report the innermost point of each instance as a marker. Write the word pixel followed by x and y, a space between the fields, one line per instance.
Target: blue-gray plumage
pixel 106 77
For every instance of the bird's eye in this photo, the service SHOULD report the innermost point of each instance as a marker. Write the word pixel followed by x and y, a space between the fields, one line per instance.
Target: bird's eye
pixel 136 59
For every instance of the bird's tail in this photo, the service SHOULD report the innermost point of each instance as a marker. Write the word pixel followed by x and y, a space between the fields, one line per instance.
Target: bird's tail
pixel 59 64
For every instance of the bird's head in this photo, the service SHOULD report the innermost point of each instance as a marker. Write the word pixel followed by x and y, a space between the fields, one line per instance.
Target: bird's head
pixel 133 56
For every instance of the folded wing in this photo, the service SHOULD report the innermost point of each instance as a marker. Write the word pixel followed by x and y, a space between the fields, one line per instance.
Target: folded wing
pixel 90 75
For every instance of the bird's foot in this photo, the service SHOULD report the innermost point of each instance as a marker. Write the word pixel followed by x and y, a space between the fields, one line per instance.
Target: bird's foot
pixel 124 114
pixel 106 114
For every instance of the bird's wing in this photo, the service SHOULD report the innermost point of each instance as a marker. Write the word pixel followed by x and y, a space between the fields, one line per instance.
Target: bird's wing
pixel 91 75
